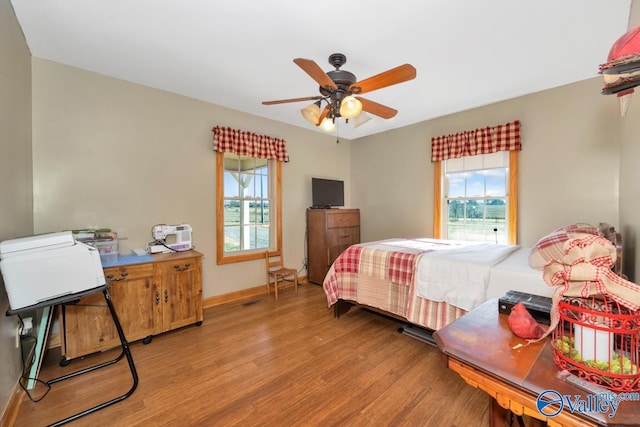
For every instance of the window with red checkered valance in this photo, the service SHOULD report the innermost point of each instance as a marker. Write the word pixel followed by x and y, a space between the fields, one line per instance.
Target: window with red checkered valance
pixel 478 141
pixel 245 143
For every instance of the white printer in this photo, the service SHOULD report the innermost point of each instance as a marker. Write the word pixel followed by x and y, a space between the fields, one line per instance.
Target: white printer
pixel 46 266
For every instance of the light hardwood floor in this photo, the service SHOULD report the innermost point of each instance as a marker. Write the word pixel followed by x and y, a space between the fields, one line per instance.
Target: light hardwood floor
pixel 262 363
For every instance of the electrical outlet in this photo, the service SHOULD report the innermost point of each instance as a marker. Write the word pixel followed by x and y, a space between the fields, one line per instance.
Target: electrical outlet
pixel 17 336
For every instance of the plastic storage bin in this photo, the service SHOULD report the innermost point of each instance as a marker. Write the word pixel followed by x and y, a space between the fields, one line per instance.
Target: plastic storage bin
pixel 108 250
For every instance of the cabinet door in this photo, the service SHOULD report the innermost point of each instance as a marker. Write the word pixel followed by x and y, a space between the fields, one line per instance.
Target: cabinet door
pixel 136 298
pixel 88 325
pixel 181 282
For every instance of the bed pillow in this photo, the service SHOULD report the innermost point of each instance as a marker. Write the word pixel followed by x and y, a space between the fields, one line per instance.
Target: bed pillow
pixel 551 246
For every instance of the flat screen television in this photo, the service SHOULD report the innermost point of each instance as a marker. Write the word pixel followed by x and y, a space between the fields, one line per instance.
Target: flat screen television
pixel 327 193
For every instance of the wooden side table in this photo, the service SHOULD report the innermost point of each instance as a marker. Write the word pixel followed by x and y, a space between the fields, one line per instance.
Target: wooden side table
pixel 481 348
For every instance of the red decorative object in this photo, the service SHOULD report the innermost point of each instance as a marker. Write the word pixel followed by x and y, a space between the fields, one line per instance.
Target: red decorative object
pixel 522 323
pixel 621 70
pixel 598 340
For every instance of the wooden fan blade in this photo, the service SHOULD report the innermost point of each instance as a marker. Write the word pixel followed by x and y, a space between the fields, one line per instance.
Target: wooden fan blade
pixel 387 78
pixel 316 73
pixel 284 101
pixel 322 115
pixel 377 109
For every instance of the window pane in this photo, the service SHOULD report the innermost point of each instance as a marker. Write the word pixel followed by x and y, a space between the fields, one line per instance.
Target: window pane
pixel 231 188
pixel 231 212
pixel 496 182
pixel 495 232
pixel 455 211
pixel 496 210
pixel 246 182
pixel 266 211
pixel 455 184
pixel 259 213
pixel 474 209
pixel 496 220
pixel 473 229
pixel 455 229
pixel 262 236
pixel 262 186
pixel 231 238
pixel 475 184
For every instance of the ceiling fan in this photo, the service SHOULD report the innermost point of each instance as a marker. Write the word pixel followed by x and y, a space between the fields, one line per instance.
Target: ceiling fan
pixel 337 90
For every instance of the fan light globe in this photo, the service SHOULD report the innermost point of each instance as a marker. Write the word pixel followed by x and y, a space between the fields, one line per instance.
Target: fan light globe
pixel 361 119
pixel 311 113
pixel 327 125
pixel 350 107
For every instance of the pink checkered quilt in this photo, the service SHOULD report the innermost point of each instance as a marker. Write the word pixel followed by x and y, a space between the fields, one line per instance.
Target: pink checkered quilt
pixel 381 274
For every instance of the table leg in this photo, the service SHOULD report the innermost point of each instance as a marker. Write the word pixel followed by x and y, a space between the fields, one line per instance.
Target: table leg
pixel 500 417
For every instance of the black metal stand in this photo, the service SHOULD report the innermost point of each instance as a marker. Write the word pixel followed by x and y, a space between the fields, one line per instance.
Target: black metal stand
pixel 125 351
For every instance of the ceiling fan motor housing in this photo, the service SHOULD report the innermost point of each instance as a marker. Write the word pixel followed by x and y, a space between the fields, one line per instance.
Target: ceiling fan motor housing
pixel 343 80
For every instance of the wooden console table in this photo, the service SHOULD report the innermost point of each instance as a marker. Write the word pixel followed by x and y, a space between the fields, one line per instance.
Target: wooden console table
pixel 480 347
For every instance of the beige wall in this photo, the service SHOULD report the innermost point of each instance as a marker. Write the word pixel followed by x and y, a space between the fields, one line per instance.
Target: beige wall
pixel 114 154
pixel 16 217
pixel 569 164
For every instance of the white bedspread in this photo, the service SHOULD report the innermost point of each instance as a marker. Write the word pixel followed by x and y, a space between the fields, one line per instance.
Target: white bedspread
pixel 459 275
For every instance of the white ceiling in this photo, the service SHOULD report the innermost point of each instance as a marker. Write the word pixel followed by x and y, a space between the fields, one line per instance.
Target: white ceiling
pixel 236 54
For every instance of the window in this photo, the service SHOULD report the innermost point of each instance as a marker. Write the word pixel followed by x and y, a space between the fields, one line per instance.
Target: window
pixel 248 207
pixel 477 198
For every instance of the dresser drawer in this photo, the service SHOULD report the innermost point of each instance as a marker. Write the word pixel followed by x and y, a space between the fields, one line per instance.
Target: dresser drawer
pixel 179 265
pixel 343 219
pixel 345 236
pixel 128 272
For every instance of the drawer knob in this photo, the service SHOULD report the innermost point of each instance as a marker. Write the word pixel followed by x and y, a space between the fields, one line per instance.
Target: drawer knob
pixel 179 268
pixel 123 276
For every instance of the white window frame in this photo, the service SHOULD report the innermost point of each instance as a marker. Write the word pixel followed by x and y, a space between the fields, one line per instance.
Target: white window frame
pixel 440 207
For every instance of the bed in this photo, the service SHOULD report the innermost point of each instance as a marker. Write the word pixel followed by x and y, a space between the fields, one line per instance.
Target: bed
pixel 390 276
pixel 431 282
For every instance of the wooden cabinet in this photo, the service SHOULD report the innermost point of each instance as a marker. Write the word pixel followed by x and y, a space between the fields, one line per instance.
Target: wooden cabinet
pixel 181 292
pixel 329 232
pixel 149 298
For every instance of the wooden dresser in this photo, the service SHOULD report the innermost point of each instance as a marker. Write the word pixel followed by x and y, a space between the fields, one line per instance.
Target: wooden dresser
pixel 329 232
pixel 150 298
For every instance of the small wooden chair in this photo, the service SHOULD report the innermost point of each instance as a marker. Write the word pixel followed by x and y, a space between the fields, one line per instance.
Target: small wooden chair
pixel 277 274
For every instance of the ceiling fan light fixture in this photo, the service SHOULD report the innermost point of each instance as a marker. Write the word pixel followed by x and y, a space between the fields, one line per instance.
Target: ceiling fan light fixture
pixel 311 113
pixel 361 119
pixel 328 125
pixel 350 107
